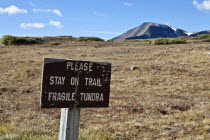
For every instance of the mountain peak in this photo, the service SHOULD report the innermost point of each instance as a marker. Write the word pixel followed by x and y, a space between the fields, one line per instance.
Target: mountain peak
pixel 149 30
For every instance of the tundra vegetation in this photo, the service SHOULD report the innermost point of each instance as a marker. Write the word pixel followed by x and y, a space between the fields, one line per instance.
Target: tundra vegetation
pixel 53 43
pixel 89 39
pixel 13 40
pixel 163 41
pixel 203 37
pixel 168 97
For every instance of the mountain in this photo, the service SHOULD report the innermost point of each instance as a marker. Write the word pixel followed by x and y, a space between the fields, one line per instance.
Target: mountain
pixel 150 30
pixel 201 32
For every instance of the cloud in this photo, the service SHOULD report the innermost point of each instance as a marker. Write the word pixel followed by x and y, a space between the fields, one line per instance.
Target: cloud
pixel 13 10
pixel 205 5
pixel 56 24
pixel 128 4
pixel 40 25
pixel 96 13
pixel 32 25
pixel 104 32
pixel 55 11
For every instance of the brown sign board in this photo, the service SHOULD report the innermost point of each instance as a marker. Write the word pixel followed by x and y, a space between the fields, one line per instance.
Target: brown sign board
pixel 75 83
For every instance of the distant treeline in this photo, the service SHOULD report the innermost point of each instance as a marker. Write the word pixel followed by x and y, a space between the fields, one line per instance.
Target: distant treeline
pixel 15 40
pixel 178 40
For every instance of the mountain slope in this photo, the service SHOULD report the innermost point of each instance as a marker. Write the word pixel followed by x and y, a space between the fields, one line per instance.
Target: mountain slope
pixel 150 30
pixel 201 32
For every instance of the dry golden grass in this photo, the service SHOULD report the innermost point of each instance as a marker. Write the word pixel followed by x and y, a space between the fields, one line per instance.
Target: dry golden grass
pixel 167 98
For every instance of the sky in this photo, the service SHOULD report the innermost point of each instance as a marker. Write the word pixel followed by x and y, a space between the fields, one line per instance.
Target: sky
pixel 99 18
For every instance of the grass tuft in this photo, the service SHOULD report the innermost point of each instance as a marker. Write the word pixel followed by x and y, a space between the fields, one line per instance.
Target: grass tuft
pixel 27 72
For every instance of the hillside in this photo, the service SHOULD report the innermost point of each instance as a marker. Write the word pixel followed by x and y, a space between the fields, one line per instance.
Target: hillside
pixel 166 98
pixel 151 30
pixel 199 33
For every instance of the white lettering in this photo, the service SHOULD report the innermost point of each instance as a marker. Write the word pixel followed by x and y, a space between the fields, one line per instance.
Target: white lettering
pixel 90 67
pixel 82 96
pixel 92 97
pixel 79 66
pixel 85 66
pixel 76 66
pixel 75 81
pixel 70 64
pixel 50 93
pixel 57 80
pixel 51 80
pixel 93 82
pixel 54 96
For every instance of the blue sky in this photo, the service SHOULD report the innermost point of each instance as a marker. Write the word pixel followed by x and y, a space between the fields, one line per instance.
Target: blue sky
pixel 100 18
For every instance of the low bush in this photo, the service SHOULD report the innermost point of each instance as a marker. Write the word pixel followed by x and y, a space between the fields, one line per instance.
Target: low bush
pixel 184 37
pixel 13 40
pixel 176 41
pixel 53 43
pixel 202 36
pixel 89 39
pixel 163 41
pixel 206 40
pixel 160 41
pixel 137 40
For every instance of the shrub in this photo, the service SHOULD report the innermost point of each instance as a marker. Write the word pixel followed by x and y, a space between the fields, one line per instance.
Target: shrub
pixel 8 40
pixel 206 40
pixel 13 40
pixel 192 38
pixel 163 41
pixel 184 37
pixel 89 39
pixel 202 36
pixel 54 43
pixel 137 40
pixel 31 40
pixel 160 41
pixel 176 41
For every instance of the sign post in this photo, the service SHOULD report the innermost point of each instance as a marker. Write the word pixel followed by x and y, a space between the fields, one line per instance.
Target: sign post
pixel 71 85
pixel 69 124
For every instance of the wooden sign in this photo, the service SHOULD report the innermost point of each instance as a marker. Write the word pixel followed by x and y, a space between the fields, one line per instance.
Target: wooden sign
pixel 75 83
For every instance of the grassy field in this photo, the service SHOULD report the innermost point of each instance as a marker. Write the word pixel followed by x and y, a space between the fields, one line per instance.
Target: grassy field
pixel 168 97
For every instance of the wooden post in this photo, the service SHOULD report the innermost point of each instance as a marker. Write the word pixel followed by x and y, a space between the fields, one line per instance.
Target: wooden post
pixel 69 124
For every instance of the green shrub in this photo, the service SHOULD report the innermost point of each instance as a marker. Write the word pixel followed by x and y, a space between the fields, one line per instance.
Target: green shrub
pixel 202 36
pixel 89 39
pixel 160 41
pixel 163 41
pixel 137 40
pixel 31 41
pixel 176 41
pixel 8 40
pixel 53 43
pixel 184 37
pixel 192 38
pixel 206 40
pixel 13 40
